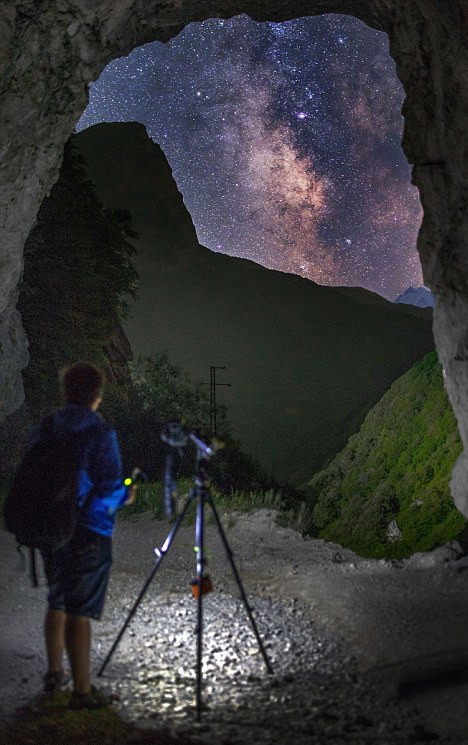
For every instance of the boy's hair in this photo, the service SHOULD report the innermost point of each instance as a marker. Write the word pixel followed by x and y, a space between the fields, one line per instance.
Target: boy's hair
pixel 82 383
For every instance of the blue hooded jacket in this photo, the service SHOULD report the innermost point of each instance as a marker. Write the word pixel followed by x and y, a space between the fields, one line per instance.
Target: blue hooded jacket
pixel 101 469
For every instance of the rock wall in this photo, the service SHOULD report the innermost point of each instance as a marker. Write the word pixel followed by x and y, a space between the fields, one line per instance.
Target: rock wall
pixel 51 50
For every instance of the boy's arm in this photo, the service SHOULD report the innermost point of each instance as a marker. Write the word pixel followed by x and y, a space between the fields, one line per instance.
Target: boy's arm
pixel 105 469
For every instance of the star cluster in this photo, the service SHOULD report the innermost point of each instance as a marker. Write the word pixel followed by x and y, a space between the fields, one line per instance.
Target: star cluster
pixel 285 142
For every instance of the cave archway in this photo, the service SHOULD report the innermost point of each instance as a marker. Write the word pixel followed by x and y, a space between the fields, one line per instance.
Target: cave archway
pixel 49 57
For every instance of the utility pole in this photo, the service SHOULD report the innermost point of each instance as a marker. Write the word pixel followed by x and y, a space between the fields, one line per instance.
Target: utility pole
pixel 213 407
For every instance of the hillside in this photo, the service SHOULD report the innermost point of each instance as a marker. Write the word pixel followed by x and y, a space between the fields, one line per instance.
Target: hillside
pixel 397 467
pixel 305 362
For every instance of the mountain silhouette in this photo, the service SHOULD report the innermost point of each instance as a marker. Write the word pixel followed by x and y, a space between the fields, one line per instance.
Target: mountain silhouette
pixel 305 362
pixel 419 296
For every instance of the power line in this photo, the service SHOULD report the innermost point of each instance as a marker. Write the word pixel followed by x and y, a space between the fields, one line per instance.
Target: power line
pixel 213 406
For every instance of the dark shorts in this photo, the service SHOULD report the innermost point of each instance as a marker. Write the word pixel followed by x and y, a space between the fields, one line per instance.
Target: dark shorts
pixel 78 574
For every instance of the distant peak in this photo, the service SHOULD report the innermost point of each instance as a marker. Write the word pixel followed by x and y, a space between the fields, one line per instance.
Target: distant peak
pixel 418 296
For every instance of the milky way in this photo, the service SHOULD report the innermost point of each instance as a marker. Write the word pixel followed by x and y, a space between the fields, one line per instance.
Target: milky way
pixel 285 142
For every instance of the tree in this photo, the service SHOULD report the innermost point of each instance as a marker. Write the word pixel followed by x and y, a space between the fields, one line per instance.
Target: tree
pixel 77 278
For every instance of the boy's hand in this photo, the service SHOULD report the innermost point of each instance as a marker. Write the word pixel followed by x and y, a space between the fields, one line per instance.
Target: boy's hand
pixel 132 495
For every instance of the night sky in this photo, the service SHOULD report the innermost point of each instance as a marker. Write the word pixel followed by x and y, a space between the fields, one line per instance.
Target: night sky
pixel 285 142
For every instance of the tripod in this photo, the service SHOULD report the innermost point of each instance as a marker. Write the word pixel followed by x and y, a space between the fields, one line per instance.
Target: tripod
pixel 201 585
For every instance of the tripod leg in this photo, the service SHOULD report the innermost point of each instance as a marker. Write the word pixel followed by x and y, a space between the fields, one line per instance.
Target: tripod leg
pixel 239 584
pixel 199 547
pixel 160 552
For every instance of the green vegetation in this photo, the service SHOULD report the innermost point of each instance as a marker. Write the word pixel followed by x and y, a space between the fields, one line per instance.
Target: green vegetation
pixel 292 513
pixel 163 392
pixel 77 278
pixel 151 498
pixel 397 467
pixel 50 721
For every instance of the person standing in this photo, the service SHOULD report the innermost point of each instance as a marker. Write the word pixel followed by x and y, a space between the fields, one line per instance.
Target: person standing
pixel 78 573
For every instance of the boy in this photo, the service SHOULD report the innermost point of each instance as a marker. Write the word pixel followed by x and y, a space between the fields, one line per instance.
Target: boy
pixel 77 574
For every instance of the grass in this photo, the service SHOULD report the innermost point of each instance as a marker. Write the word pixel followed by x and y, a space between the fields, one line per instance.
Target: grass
pixel 49 722
pixel 397 467
pixel 151 498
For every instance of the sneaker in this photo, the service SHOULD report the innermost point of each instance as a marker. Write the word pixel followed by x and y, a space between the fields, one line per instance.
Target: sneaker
pixel 95 699
pixel 54 681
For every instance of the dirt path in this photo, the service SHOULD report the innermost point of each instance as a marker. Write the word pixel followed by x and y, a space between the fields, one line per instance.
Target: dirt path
pixel 364 651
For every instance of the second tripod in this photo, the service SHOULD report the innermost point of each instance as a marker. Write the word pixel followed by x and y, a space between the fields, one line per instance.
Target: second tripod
pixel 175 437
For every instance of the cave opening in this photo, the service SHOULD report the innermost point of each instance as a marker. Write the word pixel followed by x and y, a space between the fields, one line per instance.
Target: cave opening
pixel 323 225
pixel 46 113
pixel 299 167
pixel 297 164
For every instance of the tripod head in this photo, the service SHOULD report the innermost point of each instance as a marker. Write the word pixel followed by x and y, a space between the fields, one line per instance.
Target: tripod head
pixel 174 435
pixel 177 438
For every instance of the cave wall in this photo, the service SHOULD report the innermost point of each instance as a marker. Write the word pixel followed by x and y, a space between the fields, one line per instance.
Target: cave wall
pixel 50 51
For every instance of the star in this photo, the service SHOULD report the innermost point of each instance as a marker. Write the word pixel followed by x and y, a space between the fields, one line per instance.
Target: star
pixel 284 139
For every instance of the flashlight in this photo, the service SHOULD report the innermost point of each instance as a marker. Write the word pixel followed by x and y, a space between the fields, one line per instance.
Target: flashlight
pixel 137 477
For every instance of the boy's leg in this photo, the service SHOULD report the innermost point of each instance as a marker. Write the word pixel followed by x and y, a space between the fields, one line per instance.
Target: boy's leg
pixel 78 644
pixel 54 632
pixel 54 622
pixel 89 564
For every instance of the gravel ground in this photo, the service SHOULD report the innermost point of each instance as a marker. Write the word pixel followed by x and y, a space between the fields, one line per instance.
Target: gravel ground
pixel 362 651
pixel 314 694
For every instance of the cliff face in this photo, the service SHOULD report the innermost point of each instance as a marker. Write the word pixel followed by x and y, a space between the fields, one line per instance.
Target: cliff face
pixel 48 54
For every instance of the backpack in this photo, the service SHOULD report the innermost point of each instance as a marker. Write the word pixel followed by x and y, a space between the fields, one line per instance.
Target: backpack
pixel 41 507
